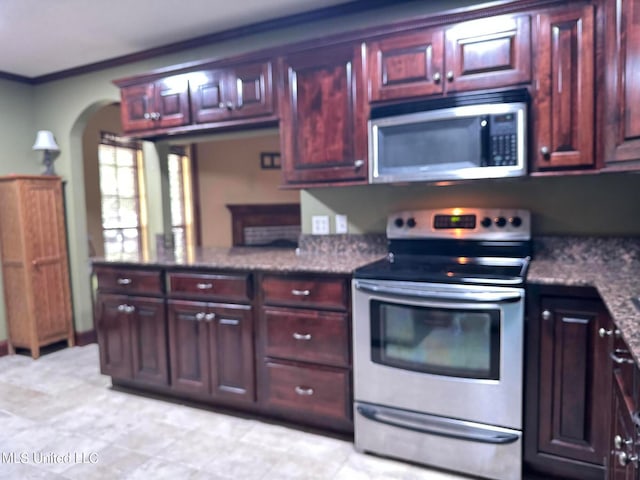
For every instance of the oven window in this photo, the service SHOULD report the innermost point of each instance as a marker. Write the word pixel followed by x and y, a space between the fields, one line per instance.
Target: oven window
pixel 451 342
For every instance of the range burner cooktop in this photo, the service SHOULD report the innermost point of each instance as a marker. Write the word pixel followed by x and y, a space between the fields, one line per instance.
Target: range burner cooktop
pixel 447 269
pixel 477 246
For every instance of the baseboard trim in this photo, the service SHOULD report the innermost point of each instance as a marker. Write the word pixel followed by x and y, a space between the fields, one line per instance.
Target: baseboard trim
pixel 4 348
pixel 85 338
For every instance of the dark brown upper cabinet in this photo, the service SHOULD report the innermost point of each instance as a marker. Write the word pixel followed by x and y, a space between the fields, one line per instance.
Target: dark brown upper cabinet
pixel 323 117
pixel 406 65
pixel 621 126
pixel 563 107
pixel 232 93
pixel 487 53
pixel 155 105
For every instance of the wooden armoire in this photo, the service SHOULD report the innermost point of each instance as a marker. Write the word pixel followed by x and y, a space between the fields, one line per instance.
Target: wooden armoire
pixel 33 249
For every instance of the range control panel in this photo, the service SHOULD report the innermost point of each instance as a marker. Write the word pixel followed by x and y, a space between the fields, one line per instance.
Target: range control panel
pixel 461 223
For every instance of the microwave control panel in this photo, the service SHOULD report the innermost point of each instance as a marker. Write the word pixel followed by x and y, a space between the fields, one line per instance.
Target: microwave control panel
pixel 503 140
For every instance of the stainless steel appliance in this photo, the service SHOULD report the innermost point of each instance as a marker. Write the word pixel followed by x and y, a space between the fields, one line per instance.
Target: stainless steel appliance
pixel 438 341
pixel 459 137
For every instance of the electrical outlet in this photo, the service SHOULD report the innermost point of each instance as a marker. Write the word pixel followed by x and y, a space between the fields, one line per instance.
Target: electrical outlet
pixel 341 224
pixel 320 225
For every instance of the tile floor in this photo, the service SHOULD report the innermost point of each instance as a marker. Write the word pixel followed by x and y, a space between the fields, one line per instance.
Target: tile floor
pixel 59 419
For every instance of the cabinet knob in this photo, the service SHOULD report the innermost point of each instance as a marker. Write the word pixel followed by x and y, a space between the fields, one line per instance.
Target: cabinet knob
pixel 200 316
pixel 450 75
pixel 227 105
pixel 437 77
pixel 204 286
pixel 209 316
pixel 147 116
pixel 603 332
pixel 358 164
pixel 123 281
pixel 547 315
pixel 545 151
pixel 625 459
pixel 618 442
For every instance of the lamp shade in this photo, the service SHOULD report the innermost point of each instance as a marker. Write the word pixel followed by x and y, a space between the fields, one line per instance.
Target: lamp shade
pixel 45 141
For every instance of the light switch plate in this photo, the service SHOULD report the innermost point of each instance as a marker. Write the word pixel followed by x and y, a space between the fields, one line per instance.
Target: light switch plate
pixel 320 225
pixel 341 224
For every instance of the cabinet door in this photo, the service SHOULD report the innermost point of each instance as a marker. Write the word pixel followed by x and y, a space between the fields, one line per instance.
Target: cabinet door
pixel 171 102
pixel 46 254
pixel 137 103
pixel 113 330
pixel 231 352
pixel 149 340
pixel 623 433
pixel 188 346
pixel 575 386
pixel 564 106
pixel 323 117
pixel 488 53
pixel 621 128
pixel 406 65
pixel 252 87
pixel 211 96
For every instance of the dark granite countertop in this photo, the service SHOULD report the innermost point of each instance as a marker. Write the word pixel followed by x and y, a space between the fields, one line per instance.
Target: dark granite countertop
pixel 250 259
pixel 612 266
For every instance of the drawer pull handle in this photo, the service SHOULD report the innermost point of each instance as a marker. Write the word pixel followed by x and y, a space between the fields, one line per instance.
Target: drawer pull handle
pixel 200 316
pixel 304 391
pixel 301 336
pixel 204 286
pixel 124 281
pixel 300 293
pixel 620 360
pixel 229 321
pixel 126 308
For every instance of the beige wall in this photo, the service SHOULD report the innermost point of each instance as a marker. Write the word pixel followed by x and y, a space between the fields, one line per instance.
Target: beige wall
pixel 17 134
pixel 577 205
pixel 229 172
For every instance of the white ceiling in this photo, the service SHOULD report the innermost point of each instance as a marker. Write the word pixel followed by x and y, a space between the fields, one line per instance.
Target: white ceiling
pixel 40 37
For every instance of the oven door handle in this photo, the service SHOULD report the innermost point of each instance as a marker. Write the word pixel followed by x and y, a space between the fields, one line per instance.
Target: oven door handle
pixel 444 427
pixel 484 297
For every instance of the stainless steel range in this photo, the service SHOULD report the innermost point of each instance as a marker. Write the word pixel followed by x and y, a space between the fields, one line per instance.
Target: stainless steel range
pixel 438 341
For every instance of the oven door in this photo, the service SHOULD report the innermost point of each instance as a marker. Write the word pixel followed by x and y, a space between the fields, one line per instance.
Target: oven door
pixel 441 349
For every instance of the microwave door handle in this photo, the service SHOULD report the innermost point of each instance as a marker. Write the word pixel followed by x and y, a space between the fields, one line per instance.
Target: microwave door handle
pixel 485 140
pixel 444 427
pixel 484 297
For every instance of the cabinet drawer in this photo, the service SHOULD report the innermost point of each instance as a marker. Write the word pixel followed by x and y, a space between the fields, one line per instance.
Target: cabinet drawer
pixel 123 280
pixel 309 291
pixel 307 335
pixel 233 287
pixel 314 391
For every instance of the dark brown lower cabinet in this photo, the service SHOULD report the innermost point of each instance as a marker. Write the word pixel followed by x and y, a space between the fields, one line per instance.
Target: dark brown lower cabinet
pixel 132 337
pixel 568 383
pixel 624 450
pixel 211 349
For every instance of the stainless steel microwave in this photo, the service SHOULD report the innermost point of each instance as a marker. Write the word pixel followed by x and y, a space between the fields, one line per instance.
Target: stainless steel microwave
pixel 465 137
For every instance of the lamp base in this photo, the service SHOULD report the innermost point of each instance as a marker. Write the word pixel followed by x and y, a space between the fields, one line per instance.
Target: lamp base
pixel 48 163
